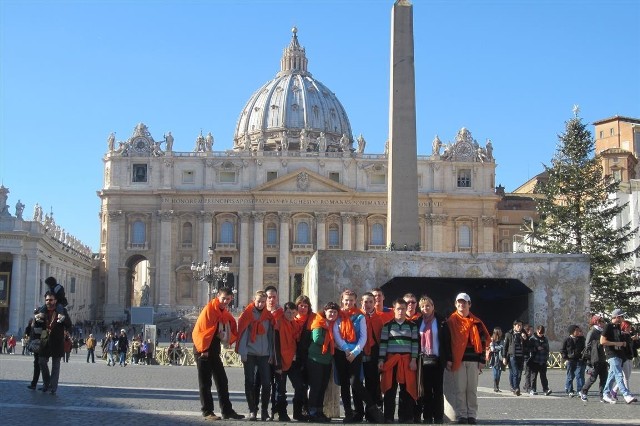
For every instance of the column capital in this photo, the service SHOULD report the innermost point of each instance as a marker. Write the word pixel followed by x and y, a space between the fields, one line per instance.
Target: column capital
pixel 488 220
pixel 321 217
pixel 258 216
pixel 115 216
pixel 166 215
pixel 244 216
pixel 436 219
pixel 347 216
pixel 207 215
pixel 284 216
pixel 361 219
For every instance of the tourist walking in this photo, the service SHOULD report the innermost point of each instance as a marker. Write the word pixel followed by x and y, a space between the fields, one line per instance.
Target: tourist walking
pixel 91 348
pixel 597 366
pixel 496 348
pixel 514 348
pixel 539 345
pixel 51 342
pixel 571 352
pixel 614 347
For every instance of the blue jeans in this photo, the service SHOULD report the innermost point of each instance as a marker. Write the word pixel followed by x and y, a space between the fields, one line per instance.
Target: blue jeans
pixel 575 370
pixel 615 373
pixel 515 372
pixel 123 356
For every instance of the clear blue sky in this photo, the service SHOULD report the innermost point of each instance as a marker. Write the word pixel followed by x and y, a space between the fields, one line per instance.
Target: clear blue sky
pixel 74 71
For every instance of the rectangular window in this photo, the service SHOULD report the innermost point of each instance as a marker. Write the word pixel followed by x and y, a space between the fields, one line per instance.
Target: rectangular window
pixel 272 260
pixel 505 219
pixel 72 285
pixel 611 131
pixel 226 259
pixel 334 176
pixel 505 232
pixel 378 179
pixel 601 134
pixel 464 178
pixel 227 177
pixel 272 236
pixel 188 176
pixel 139 173
pixel 271 176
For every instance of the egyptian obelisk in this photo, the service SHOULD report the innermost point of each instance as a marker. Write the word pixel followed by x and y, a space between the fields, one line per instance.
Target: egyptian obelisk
pixel 402 198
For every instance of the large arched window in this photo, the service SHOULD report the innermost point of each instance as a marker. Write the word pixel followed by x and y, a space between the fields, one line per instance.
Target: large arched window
pixel 302 233
pixel 138 232
pixel 464 237
pixel 377 234
pixel 334 236
pixel 226 233
pixel 187 234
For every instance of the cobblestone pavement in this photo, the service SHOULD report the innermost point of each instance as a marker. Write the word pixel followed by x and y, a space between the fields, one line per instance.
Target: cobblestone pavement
pixel 163 395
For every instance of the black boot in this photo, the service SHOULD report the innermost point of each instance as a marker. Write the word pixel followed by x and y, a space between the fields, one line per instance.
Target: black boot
pixel 496 387
pixel 297 412
pixel 374 415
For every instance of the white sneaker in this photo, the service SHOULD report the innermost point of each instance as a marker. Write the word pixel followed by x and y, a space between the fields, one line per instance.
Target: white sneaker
pixel 630 398
pixel 583 396
pixel 607 398
pixel 532 392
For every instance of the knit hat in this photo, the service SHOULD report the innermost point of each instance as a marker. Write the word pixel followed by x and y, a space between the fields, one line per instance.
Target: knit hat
pixel 51 282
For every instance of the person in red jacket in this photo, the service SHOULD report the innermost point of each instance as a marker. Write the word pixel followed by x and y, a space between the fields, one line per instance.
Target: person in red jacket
pixel 214 326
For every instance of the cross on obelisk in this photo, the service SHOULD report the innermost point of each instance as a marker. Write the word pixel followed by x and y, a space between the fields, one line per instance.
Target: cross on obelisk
pixel 402 199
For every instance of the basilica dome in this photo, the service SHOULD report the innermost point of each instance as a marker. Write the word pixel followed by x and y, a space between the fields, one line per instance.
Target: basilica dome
pixel 293 112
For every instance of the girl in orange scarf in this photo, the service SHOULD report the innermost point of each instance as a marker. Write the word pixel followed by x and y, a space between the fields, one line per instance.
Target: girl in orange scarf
pixel 321 352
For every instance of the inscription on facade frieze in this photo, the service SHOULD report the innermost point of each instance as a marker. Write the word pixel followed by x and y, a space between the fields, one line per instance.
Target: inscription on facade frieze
pixel 289 201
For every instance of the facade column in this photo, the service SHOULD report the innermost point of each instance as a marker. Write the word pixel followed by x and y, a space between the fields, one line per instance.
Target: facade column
pixel 16 287
pixel 115 229
pixel 485 234
pixel 164 276
pixel 243 273
pixel 361 221
pixel 167 177
pixel 207 241
pixel 346 230
pixel 258 256
pixel 321 231
pixel 283 270
pixel 33 297
pixel 423 233
pixel 437 237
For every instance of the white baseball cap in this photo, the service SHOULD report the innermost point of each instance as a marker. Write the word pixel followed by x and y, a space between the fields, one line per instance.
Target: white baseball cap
pixel 463 296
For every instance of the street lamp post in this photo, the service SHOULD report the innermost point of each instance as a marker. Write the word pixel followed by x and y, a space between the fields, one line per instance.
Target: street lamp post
pixel 210 272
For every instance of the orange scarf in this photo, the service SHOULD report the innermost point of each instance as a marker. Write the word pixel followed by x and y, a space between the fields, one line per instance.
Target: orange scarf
pixel 289 334
pixel 321 322
pixel 207 325
pixel 257 327
pixel 347 330
pixel 303 322
pixel 415 316
pixel 403 374
pixel 464 330
pixel 375 322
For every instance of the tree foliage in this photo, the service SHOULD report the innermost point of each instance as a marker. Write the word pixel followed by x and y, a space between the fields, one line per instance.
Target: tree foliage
pixel 577 215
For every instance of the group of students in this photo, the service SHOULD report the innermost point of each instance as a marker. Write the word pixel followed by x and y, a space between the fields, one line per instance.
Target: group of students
pixel 525 352
pixel 371 349
pixel 606 354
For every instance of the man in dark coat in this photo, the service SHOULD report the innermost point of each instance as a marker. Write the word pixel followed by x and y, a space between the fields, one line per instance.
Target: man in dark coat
pixel 53 325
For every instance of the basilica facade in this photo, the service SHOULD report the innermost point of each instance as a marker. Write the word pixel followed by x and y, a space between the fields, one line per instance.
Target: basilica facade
pixel 294 180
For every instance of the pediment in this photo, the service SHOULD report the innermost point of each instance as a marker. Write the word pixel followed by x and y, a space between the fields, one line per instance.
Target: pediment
pixel 303 180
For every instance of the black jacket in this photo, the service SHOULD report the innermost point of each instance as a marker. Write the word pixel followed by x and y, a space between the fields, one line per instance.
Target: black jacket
pixel 55 342
pixel 572 348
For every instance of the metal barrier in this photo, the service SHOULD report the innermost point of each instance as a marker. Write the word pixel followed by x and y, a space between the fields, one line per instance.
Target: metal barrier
pixel 185 357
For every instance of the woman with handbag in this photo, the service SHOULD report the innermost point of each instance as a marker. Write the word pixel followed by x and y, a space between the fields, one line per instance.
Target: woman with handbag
pixel 431 365
pixel 495 357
